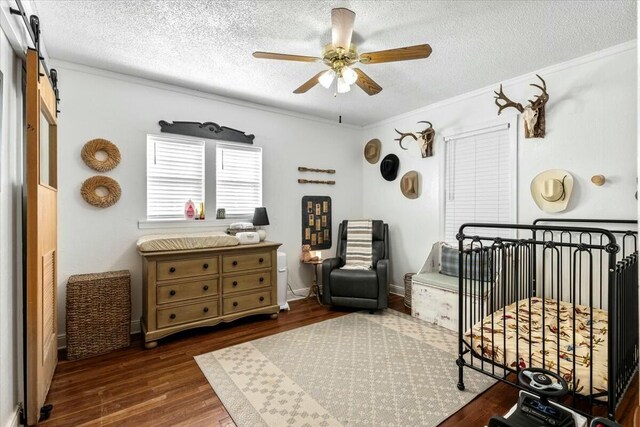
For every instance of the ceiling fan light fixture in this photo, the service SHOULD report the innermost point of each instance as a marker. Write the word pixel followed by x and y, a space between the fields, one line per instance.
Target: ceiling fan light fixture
pixel 327 78
pixel 349 75
pixel 342 86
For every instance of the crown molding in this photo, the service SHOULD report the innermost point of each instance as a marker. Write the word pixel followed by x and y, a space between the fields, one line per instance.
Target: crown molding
pixel 72 66
pixel 555 68
pixel 591 57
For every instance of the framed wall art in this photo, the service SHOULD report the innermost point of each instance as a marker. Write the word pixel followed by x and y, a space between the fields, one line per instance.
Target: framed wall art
pixel 316 222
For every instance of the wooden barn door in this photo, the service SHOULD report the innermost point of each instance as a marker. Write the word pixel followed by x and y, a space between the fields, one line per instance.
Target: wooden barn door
pixel 41 240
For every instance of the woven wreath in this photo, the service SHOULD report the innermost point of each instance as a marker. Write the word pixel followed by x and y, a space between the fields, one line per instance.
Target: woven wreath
pixel 89 187
pixel 95 145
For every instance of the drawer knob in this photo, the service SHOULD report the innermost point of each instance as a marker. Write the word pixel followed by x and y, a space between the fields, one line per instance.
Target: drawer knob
pixel 261 279
pixel 172 316
pixel 234 263
pixel 205 266
pixel 205 287
pixel 172 292
pixel 172 270
pixel 235 283
pixel 261 260
pixel 206 309
pixel 235 303
pixel 261 299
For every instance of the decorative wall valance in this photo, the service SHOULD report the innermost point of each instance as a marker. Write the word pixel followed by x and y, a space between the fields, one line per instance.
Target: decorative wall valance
pixel 206 130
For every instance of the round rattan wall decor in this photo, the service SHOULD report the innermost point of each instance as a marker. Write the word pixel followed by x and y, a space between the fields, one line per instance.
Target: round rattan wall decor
pixel 90 188
pixel 95 146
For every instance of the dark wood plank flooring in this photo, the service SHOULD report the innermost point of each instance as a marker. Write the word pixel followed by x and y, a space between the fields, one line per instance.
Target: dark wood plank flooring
pixel 165 387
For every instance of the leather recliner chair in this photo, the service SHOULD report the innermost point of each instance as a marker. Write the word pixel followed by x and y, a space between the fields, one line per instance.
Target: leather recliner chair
pixel 365 289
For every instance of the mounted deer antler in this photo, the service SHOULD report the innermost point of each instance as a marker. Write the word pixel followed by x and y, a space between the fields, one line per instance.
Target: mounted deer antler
pixel 500 96
pixel 403 136
pixel 425 139
pixel 542 99
pixel 533 114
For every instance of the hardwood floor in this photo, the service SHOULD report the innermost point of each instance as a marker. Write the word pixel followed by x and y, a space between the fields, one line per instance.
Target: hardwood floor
pixel 165 387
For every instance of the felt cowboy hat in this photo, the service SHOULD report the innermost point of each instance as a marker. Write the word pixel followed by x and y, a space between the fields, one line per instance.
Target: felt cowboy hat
pixel 389 167
pixel 551 190
pixel 372 151
pixel 409 185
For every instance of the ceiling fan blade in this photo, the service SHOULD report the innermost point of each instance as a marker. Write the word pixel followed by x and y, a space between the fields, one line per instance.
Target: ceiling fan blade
pixel 285 57
pixel 400 54
pixel 342 20
pixel 309 83
pixel 366 83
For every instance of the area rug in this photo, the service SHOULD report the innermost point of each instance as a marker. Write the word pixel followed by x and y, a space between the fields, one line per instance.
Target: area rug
pixel 386 369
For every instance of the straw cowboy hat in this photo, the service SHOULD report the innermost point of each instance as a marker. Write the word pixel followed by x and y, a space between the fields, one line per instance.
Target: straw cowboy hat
pixel 372 151
pixel 389 167
pixel 551 190
pixel 410 185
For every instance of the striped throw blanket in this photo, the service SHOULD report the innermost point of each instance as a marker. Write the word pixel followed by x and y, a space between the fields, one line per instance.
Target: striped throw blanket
pixel 359 237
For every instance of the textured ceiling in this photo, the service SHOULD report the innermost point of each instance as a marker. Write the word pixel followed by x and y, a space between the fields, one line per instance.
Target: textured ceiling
pixel 207 45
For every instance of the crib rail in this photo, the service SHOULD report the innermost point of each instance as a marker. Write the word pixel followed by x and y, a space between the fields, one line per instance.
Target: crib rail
pixel 561 297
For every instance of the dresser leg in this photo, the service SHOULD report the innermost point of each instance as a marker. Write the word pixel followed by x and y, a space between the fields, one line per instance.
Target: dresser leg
pixel 274 316
pixel 151 344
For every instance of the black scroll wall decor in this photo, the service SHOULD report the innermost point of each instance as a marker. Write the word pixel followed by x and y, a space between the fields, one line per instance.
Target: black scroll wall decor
pixel 316 222
pixel 206 130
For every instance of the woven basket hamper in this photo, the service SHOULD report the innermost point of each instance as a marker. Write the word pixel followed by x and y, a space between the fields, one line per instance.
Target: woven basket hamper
pixel 98 313
pixel 407 289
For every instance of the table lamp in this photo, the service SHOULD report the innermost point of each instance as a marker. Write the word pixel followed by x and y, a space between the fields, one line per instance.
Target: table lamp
pixel 260 218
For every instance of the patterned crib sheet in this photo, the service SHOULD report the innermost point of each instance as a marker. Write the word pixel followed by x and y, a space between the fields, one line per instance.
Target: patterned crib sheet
pixel 588 352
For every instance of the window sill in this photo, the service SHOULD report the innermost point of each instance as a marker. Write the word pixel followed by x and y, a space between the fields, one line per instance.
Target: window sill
pixel 145 224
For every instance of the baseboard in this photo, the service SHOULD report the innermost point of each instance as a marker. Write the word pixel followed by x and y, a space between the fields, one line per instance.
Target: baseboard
pixel 398 290
pixel 301 294
pixel 14 421
pixel 62 338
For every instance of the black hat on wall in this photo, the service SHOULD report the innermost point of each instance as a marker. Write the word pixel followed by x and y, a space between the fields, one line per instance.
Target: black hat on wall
pixel 389 167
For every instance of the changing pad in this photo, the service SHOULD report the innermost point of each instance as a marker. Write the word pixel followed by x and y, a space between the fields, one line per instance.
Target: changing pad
pixel 181 242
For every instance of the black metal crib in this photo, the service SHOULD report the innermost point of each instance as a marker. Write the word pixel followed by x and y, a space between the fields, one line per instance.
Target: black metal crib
pixel 562 293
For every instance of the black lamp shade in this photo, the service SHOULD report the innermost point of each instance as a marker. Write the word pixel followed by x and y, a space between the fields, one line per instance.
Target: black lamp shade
pixel 260 217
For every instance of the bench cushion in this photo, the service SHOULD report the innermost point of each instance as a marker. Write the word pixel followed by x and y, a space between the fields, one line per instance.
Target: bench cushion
pixel 444 282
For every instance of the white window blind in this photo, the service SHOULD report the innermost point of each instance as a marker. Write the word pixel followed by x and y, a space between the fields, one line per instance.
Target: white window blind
pixel 480 181
pixel 238 179
pixel 175 174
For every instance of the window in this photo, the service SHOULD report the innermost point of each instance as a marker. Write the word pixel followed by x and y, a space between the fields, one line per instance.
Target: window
pixel 480 179
pixel 175 174
pixel 238 179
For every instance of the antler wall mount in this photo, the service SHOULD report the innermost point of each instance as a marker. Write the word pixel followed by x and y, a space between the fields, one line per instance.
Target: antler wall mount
pixel 425 139
pixel 533 114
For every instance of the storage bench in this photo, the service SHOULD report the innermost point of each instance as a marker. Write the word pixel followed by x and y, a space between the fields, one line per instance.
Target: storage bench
pixel 434 296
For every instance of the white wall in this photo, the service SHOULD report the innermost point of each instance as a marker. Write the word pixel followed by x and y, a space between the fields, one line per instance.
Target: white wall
pixel 591 129
pixel 124 110
pixel 591 123
pixel 10 231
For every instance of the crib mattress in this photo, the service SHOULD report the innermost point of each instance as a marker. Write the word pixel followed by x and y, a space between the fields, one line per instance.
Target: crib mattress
pixel 501 332
pixel 181 242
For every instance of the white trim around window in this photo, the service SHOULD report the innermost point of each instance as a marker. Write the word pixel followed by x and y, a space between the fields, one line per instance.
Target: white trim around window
pixel 509 125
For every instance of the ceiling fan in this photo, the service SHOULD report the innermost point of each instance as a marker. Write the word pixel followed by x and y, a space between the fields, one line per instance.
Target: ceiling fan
pixel 340 56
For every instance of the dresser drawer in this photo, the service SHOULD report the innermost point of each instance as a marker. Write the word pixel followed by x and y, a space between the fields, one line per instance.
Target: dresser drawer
pixel 234 304
pixel 239 262
pixel 186 268
pixel 246 281
pixel 187 290
pixel 187 313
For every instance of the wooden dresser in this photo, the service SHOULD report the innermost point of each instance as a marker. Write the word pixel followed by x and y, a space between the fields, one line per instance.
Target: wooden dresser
pixel 203 287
